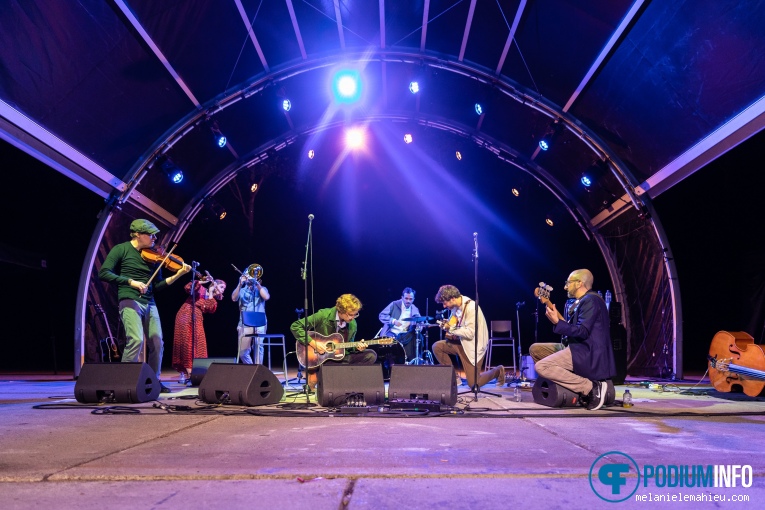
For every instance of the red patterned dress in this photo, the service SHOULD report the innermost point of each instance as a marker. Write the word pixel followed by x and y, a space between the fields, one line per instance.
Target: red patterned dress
pixel 182 345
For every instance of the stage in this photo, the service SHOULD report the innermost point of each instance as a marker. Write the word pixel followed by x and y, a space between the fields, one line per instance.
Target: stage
pixel 487 454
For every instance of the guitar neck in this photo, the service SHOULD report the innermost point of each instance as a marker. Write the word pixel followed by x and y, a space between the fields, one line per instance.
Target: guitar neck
pixel 347 345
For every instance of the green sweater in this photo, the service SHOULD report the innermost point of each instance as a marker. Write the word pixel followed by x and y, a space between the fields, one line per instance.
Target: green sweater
pixel 124 263
pixel 322 322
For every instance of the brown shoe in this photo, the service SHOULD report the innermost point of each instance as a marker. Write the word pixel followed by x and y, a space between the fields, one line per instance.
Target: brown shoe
pixel 501 375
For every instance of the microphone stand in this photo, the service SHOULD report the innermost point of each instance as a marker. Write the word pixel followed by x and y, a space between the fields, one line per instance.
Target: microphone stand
pixel 304 273
pixel 194 297
pixel 519 375
pixel 475 390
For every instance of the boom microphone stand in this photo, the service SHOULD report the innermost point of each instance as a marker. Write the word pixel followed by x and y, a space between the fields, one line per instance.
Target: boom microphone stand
pixel 476 389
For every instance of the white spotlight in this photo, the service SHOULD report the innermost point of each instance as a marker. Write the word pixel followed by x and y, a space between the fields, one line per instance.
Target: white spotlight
pixel 354 138
pixel 408 138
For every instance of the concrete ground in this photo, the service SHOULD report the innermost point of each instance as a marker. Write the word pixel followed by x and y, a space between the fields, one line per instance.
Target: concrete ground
pixel 489 453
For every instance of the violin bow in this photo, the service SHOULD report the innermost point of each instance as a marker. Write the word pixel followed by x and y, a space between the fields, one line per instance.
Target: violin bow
pixel 161 264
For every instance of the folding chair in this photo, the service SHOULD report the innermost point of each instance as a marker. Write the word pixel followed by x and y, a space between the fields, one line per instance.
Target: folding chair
pixel 256 320
pixel 500 335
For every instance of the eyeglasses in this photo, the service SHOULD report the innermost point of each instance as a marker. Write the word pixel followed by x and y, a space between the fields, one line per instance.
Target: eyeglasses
pixel 570 282
pixel 352 315
pixel 153 236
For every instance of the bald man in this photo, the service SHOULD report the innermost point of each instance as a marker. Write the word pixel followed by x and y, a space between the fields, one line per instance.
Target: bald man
pixel 584 360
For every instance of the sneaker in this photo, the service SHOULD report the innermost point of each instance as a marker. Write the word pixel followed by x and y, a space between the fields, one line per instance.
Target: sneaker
pixel 598 395
pixel 501 375
pixel 164 389
pixel 182 379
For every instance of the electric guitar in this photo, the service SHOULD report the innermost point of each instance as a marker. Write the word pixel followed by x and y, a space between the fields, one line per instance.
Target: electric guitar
pixel 333 346
pixel 109 350
pixel 543 294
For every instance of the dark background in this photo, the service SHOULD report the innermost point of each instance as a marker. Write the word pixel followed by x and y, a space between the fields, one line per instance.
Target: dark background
pixel 385 219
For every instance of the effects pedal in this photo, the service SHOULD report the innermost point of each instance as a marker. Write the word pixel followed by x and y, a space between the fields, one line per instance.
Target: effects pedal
pixel 411 404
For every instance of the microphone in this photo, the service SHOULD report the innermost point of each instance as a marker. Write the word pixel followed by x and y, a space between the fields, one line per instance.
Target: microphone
pixel 310 217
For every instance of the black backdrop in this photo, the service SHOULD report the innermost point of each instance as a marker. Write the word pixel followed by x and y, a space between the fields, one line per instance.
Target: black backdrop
pixel 380 241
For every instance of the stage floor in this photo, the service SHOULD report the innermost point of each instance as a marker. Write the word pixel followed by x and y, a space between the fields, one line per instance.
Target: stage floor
pixel 492 453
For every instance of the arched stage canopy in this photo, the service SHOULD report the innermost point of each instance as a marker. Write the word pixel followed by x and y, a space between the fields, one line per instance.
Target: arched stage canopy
pixel 648 91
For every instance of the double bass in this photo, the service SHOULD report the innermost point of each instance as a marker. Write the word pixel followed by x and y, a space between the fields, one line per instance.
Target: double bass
pixel 736 363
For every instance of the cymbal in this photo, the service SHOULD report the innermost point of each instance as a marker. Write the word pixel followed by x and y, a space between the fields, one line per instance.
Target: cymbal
pixel 417 319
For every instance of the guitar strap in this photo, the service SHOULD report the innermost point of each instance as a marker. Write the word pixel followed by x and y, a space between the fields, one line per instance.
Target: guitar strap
pixel 462 315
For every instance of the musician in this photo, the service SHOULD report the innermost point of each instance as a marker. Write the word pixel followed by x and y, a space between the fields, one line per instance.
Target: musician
pixel 395 326
pixel 461 336
pixel 252 297
pixel 185 349
pixel 584 360
pixel 125 268
pixel 341 319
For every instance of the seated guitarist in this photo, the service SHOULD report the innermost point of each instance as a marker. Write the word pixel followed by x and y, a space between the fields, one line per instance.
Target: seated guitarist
pixel 341 319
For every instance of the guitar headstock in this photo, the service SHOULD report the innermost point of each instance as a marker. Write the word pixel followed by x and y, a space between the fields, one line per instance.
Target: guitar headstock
pixel 543 293
pixel 98 307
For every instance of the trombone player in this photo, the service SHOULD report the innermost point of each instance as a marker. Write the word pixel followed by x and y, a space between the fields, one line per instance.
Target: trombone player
pixel 252 297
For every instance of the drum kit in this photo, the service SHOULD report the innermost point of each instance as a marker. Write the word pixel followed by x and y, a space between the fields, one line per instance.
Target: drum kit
pixel 395 354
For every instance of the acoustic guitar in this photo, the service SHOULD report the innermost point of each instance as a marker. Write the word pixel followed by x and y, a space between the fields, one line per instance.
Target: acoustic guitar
pixel 108 346
pixel 334 348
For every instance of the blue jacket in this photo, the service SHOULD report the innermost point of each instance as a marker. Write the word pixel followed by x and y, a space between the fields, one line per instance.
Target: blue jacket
pixel 589 338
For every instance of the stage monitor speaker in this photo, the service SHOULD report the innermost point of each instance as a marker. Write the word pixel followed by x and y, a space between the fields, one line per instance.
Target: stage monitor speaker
pixel 423 382
pixel 128 383
pixel 201 365
pixel 547 393
pixel 354 385
pixel 244 385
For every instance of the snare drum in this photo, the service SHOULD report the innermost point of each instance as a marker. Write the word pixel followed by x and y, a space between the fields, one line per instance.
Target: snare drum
pixel 389 355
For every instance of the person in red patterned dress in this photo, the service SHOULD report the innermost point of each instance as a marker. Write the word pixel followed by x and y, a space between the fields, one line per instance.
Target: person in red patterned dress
pixel 206 301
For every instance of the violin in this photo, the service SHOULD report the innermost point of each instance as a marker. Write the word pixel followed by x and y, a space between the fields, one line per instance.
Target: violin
pixel 736 363
pixel 171 262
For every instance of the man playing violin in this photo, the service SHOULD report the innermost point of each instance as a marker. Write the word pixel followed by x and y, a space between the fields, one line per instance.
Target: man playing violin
pixel 125 267
pixel 461 337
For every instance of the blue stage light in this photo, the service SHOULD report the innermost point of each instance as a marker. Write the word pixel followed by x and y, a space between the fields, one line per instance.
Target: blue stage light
pixel 221 140
pixel 173 173
pixel 346 86
pixel 478 109
pixel 287 105
pixel 586 181
pixel 544 143
pixel 414 87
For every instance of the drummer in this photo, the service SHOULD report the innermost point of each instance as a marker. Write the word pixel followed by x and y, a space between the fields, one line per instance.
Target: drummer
pixel 397 322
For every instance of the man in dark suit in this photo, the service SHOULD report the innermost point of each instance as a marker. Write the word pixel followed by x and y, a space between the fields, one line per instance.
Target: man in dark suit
pixel 584 360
